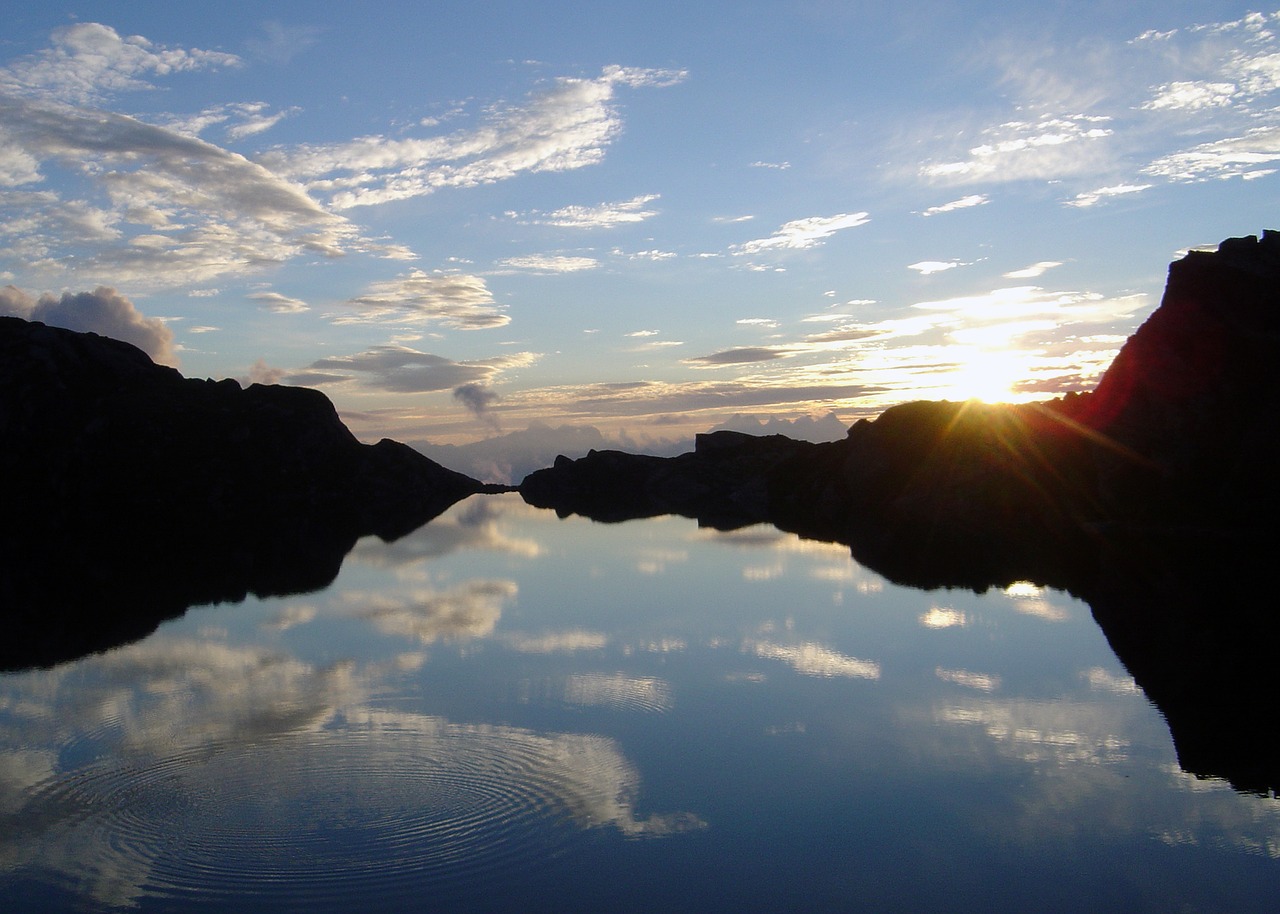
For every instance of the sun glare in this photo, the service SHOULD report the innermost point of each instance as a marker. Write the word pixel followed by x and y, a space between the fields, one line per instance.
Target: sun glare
pixel 987 375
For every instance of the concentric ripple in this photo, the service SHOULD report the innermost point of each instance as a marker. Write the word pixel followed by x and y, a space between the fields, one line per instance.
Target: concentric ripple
pixel 378 807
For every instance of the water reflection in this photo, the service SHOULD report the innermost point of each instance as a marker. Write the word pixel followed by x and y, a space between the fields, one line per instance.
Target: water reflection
pixel 506 710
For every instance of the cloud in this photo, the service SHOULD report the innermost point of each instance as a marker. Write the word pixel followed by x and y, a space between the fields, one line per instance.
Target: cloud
pixel 604 215
pixel 962 203
pixel 845 335
pixel 477 398
pixel 1236 156
pixel 280 43
pixel 1048 147
pixel 151 206
pixel 103 311
pixel 929 267
pixel 551 263
pixel 281 304
pixel 1033 271
pixel 566 126
pixel 738 356
pixel 262 373
pixel 1190 95
pixel 814 659
pixel 1093 197
pixel 89 61
pixel 458 300
pixel 469 611
pixel 803 233
pixel 242 119
pixel 399 369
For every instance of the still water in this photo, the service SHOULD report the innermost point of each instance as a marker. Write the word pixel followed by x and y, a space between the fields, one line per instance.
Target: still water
pixel 507 711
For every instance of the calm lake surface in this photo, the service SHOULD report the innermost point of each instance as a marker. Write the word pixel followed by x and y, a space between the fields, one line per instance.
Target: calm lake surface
pixel 507 711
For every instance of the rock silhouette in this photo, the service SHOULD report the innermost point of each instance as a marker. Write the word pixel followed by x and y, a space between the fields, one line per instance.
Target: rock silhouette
pixel 132 492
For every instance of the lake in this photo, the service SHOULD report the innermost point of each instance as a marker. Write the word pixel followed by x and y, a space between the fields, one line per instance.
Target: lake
pixel 510 711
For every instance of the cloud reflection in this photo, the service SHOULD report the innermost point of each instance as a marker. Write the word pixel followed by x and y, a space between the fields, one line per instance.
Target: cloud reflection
pixel 813 659
pixel 216 741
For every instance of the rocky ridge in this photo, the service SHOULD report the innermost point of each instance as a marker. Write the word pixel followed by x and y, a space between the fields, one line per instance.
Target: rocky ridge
pixel 132 492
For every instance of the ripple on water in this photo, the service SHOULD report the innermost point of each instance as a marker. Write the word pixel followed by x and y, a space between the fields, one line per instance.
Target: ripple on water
pixel 379 807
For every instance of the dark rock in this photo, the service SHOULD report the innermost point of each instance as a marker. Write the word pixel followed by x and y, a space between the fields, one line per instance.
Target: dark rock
pixel 132 493
pixel 723 481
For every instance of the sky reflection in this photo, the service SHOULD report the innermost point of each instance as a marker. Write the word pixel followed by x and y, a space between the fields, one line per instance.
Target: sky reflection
pixel 512 707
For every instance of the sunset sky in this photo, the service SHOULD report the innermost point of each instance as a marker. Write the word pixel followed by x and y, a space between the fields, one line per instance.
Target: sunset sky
pixel 460 218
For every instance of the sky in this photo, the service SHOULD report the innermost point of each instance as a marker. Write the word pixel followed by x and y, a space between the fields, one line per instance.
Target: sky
pixel 459 220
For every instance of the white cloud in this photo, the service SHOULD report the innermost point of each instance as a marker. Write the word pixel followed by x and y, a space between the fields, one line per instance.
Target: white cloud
pixel 89 61
pixel 1093 197
pixel 815 660
pixel 551 263
pixel 962 203
pixel 929 267
pixel 151 206
pixel 1230 157
pixel 603 215
pixel 1190 95
pixel 1033 271
pixel 281 304
pixel 566 126
pixel 803 233
pixel 1017 150
pixel 458 300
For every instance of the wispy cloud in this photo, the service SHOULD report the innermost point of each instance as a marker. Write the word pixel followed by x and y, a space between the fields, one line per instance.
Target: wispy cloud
pixel 566 126
pixel 88 62
pixel 1093 197
pixel 94 191
pixel 1018 150
pixel 603 215
pixel 400 369
pixel 963 203
pixel 551 263
pixel 803 233
pixel 458 300
pixel 1033 271
pixel 281 304
pixel 738 356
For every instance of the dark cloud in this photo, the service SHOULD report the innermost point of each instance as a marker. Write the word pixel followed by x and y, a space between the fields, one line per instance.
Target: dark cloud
pixel 842 336
pixel 740 356
pixel 477 398
pixel 403 370
pixel 103 311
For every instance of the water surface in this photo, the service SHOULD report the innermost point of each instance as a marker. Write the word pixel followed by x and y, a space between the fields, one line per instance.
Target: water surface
pixel 510 711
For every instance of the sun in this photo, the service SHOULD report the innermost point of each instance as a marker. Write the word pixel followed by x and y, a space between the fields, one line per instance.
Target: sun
pixel 989 375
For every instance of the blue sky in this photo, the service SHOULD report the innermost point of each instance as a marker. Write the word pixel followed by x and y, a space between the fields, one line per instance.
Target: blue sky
pixel 460 218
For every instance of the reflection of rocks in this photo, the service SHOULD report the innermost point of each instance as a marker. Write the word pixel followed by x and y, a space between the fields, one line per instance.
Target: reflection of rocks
pixel 133 493
pixel 1152 498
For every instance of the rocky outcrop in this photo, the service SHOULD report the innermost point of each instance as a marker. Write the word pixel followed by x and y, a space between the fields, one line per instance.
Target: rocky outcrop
pixel 723 481
pixel 118 470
